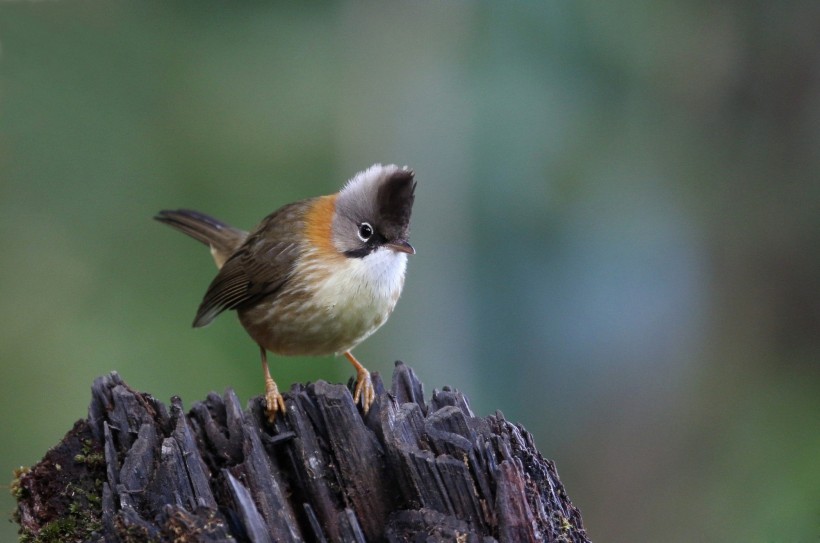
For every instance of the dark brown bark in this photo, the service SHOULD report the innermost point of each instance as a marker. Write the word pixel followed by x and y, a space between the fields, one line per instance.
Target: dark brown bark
pixel 407 471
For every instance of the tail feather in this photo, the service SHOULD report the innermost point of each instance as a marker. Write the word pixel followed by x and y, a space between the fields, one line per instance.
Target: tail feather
pixel 223 239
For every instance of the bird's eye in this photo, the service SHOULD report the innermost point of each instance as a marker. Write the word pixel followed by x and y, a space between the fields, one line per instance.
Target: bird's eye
pixel 365 231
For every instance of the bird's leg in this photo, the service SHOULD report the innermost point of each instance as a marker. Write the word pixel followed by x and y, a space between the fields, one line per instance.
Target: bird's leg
pixel 364 385
pixel 273 400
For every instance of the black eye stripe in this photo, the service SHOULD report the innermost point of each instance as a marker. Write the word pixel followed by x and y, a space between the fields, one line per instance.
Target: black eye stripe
pixel 371 241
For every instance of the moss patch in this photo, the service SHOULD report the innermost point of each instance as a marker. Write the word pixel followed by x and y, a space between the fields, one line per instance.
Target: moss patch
pixel 59 499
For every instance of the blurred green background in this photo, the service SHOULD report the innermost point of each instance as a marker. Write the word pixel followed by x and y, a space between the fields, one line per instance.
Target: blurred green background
pixel 617 224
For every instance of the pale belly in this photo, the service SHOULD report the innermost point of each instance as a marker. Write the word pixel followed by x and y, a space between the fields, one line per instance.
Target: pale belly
pixel 324 313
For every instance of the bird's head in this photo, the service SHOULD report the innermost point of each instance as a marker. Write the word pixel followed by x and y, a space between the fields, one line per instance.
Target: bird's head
pixel 372 212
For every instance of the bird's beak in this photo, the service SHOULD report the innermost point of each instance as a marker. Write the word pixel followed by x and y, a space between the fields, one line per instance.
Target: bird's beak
pixel 401 246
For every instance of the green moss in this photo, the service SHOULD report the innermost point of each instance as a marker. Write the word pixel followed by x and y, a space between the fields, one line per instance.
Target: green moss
pixel 78 525
pixel 64 529
pixel 82 520
pixel 61 496
pixel 88 456
pixel 16 488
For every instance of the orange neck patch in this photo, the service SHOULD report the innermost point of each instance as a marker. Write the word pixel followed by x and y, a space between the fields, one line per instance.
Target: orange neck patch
pixel 319 223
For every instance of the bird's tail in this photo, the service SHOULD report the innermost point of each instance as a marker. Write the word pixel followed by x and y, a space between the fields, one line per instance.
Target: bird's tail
pixel 220 237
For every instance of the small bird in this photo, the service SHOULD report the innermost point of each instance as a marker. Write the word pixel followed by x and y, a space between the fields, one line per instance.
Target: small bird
pixel 315 277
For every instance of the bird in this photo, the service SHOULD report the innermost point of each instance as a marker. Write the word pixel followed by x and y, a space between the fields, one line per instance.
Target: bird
pixel 315 277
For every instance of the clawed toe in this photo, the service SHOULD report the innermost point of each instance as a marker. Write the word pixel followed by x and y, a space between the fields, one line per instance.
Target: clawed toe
pixel 364 391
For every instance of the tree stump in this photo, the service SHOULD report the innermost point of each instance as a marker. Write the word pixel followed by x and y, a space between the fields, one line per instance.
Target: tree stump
pixel 407 471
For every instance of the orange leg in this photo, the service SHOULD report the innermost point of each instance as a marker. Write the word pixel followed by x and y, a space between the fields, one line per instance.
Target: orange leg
pixel 364 390
pixel 274 401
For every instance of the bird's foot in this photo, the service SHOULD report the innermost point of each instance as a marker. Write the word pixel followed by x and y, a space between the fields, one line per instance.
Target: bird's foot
pixel 364 391
pixel 274 402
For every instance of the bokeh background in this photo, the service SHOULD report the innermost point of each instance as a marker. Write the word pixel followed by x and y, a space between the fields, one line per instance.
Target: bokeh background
pixel 617 224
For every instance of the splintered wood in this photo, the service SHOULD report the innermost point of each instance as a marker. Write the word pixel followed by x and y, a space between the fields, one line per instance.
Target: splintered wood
pixel 407 471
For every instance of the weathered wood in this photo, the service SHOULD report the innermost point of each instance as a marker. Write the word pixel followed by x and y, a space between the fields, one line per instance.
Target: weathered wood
pixel 408 471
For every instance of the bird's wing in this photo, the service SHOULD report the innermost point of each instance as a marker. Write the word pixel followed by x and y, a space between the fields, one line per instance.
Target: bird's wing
pixel 261 265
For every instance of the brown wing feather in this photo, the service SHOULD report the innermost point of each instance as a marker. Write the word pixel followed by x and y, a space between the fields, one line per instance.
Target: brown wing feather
pixel 261 265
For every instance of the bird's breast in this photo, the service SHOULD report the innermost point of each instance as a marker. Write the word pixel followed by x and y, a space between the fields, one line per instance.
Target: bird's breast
pixel 329 305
